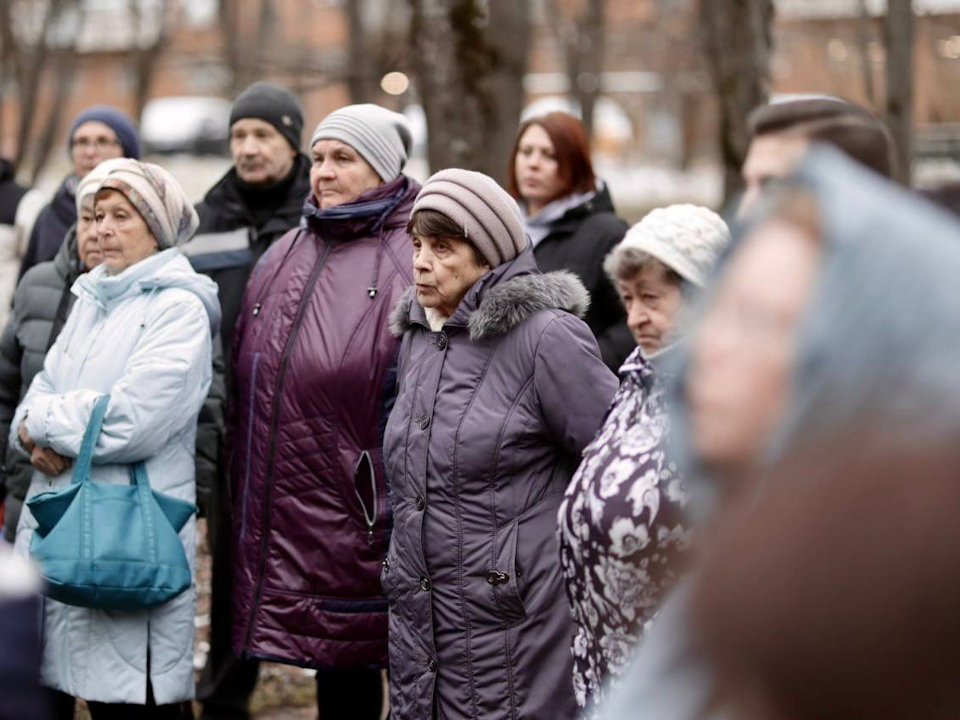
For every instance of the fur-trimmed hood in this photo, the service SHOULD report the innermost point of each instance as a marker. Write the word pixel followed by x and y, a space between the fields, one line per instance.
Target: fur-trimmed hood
pixel 501 300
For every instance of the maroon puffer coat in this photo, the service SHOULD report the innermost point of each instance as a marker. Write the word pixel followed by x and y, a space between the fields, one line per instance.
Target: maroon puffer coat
pixel 490 420
pixel 313 383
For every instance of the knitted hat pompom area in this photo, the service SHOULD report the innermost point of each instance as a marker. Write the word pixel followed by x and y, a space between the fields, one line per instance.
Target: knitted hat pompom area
pixel 489 216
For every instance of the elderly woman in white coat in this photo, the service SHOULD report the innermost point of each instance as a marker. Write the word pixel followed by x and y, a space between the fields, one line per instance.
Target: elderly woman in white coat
pixel 141 331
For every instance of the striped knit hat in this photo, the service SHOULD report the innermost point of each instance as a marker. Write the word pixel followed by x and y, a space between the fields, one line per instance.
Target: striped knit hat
pixel 490 218
pixel 382 137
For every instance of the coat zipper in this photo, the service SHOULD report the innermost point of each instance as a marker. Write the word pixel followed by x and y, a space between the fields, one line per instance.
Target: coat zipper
pixel 246 470
pixel 272 450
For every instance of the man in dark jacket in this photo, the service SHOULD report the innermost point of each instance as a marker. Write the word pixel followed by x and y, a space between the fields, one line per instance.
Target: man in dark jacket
pixel 96 134
pixel 257 201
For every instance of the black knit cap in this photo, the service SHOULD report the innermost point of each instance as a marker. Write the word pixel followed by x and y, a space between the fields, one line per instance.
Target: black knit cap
pixel 273 104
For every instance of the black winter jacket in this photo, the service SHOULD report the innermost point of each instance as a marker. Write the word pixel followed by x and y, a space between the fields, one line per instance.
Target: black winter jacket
pixel 52 225
pixel 579 241
pixel 40 308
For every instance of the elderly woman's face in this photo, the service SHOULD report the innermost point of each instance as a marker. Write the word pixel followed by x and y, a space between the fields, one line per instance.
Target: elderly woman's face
pixel 339 174
pixel 88 241
pixel 742 356
pixel 653 302
pixel 125 238
pixel 443 270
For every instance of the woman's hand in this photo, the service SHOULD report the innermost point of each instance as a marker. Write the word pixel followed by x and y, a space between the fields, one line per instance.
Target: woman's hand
pixel 48 461
pixel 25 437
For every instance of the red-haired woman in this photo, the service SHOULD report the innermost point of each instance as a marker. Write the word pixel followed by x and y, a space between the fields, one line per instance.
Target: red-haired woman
pixel 569 216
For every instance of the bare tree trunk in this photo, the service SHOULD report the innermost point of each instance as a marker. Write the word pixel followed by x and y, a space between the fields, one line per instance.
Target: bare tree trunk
pixel 230 32
pixel 898 29
pixel 582 39
pixel 29 71
pixel 64 71
pixel 866 37
pixel 146 58
pixel 469 66
pixel 737 41
pixel 592 38
pixel 358 59
pixel 7 55
pixel 265 31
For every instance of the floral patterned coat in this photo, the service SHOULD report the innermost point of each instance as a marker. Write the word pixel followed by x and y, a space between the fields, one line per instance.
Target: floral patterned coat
pixel 620 526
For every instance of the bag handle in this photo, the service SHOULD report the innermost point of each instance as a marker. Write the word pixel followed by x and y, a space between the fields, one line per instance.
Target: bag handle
pixel 81 468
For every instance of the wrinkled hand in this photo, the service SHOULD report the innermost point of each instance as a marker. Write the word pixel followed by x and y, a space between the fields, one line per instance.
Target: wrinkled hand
pixel 48 461
pixel 25 437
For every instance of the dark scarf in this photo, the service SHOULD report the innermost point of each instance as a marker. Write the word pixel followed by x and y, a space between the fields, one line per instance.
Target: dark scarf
pixel 262 203
pixel 364 216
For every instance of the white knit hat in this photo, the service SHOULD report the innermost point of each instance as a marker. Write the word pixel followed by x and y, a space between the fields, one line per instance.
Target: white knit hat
pixel 686 238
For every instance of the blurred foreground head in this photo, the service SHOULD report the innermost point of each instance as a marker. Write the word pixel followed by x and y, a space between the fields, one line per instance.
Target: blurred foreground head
pixel 835 593
pixel 837 302
pixel 782 131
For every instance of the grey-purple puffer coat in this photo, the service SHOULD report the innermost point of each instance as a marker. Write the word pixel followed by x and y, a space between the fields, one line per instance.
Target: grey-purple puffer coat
pixel 490 419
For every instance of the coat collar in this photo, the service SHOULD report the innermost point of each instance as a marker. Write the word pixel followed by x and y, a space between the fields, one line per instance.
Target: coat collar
pixel 226 198
pixel 599 202
pixel 502 299
pixel 386 207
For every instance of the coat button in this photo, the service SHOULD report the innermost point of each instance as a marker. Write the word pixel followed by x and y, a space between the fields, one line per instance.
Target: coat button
pixel 424 422
pixel 421 503
pixel 495 577
pixel 432 665
pixel 441 342
pixel 425 584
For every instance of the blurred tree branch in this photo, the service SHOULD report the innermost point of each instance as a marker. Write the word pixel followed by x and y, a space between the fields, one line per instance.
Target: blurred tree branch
pixel 898 36
pixel 374 47
pixel 866 39
pixel 738 45
pixel 582 39
pixel 469 59
pixel 147 56
pixel 25 60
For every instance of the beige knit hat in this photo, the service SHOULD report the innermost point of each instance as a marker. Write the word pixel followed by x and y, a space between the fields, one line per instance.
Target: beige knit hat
pixel 90 182
pixel 490 218
pixel 688 239
pixel 158 198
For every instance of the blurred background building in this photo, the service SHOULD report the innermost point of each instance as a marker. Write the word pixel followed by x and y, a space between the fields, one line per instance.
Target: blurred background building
pixel 643 66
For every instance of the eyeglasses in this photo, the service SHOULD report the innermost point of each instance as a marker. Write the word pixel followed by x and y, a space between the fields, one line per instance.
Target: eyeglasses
pixel 100 143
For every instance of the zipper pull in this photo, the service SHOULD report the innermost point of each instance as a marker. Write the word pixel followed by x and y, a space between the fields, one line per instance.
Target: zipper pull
pixel 256 309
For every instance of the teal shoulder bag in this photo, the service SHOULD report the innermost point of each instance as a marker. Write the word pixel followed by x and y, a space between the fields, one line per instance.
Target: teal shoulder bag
pixel 109 546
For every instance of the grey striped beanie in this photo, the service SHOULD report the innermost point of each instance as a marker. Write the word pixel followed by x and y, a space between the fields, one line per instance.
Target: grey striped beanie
pixel 381 136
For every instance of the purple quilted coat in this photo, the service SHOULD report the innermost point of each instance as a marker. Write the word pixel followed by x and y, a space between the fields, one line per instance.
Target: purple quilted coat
pixel 489 423
pixel 313 382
